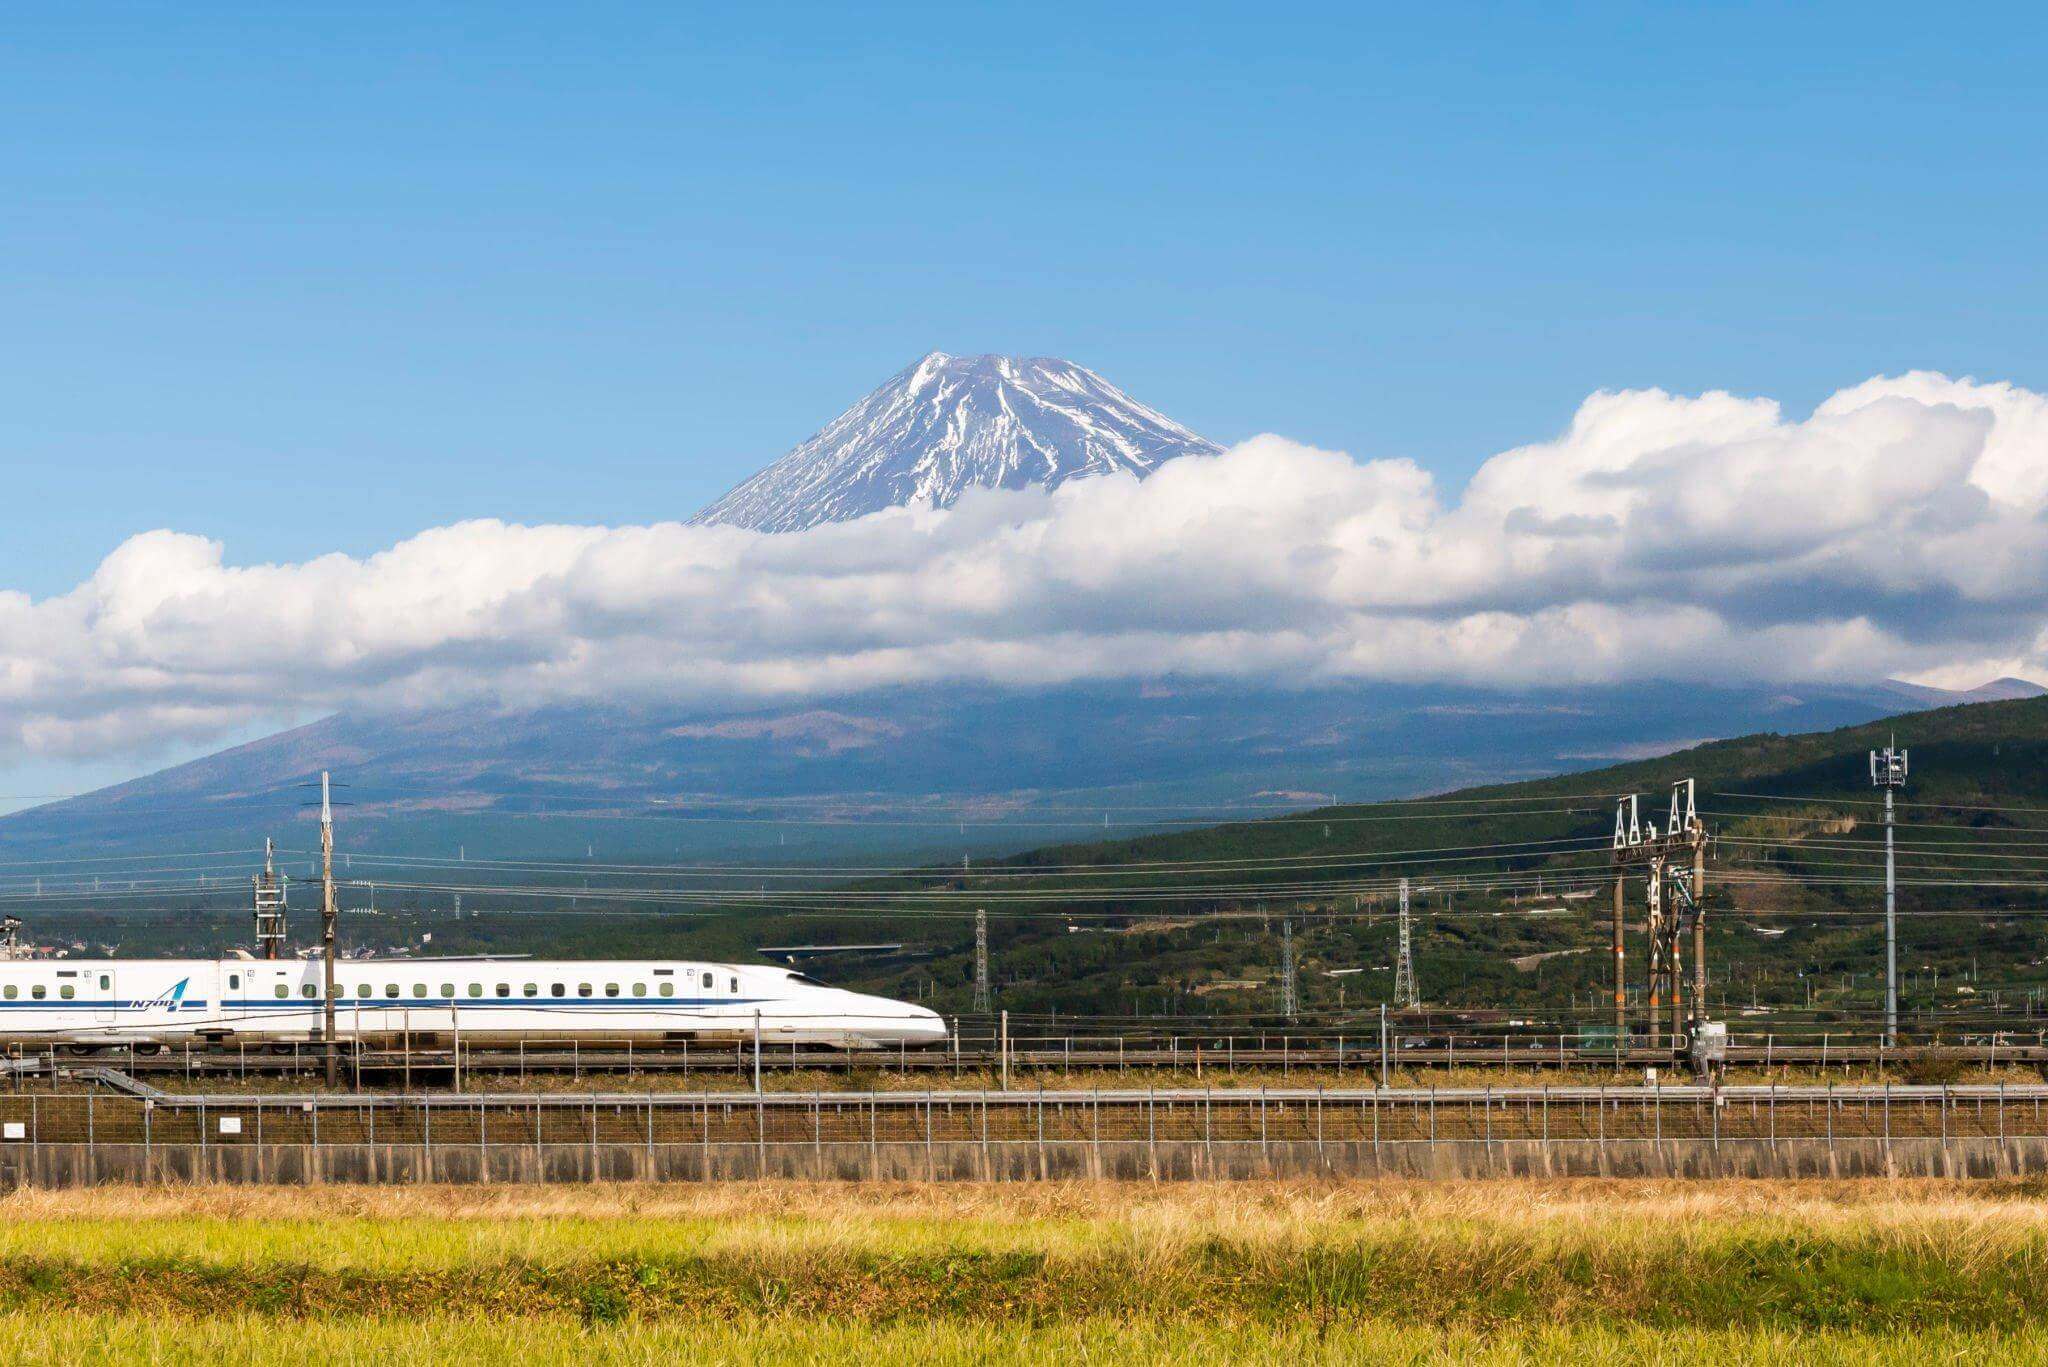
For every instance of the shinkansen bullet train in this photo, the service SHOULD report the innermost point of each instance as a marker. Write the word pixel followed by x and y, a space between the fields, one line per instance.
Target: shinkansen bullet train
pixel 148 1003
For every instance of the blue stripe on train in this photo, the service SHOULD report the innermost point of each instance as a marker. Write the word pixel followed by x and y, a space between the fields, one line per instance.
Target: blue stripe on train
pixel 391 1003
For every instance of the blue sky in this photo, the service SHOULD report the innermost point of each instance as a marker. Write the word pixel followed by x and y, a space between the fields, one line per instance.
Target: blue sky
pixel 309 279
pixel 314 278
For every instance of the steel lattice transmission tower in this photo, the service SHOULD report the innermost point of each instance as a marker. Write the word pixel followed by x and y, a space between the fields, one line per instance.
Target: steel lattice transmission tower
pixel 270 898
pixel 984 1000
pixel 1290 1005
pixel 1405 993
pixel 1674 885
pixel 1888 771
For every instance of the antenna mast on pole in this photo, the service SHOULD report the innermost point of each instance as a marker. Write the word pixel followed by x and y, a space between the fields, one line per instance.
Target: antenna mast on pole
pixel 1888 771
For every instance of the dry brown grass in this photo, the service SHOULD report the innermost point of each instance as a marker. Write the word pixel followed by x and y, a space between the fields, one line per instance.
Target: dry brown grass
pixel 1593 1201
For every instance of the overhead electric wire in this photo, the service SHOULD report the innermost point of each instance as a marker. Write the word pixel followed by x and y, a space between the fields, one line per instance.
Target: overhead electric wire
pixel 994 870
pixel 1873 802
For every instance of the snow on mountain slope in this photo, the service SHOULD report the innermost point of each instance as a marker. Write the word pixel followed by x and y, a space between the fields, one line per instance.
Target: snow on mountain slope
pixel 952 423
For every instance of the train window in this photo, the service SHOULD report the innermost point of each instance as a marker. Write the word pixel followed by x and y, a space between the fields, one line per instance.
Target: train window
pixel 531 989
pixel 447 989
pixel 391 989
pixel 310 991
pixel 284 990
pixel 611 989
pixel 39 992
pixel 106 983
pixel 12 992
pixel 707 981
pixel 668 989
pixel 67 991
pixel 558 989
pixel 476 989
pixel 504 989
pixel 639 989
pixel 419 989
pixel 735 984
pixel 582 989
pixel 234 980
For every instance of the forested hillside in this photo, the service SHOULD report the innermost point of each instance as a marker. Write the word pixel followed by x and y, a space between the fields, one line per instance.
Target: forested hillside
pixel 1509 884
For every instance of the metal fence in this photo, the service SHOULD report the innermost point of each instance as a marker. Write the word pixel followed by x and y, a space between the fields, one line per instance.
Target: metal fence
pixel 1208 1116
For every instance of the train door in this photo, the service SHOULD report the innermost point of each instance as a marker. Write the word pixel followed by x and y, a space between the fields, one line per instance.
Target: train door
pixel 105 999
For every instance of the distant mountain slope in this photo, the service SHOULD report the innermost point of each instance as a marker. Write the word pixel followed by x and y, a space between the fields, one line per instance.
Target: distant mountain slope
pixel 952 423
pixel 897 770
pixel 2007 689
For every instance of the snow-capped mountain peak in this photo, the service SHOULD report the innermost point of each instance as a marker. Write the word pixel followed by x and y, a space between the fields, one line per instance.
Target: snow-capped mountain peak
pixel 951 423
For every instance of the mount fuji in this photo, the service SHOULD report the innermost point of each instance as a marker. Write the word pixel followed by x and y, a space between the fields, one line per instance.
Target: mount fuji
pixel 952 423
pixel 897 771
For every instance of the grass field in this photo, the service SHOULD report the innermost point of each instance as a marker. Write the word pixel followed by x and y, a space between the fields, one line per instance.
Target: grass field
pixel 1299 1272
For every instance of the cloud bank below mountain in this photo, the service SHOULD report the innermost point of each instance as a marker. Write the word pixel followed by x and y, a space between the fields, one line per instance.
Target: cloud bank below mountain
pixel 1902 528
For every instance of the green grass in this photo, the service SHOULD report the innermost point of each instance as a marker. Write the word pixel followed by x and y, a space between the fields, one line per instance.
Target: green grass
pixel 1401 1272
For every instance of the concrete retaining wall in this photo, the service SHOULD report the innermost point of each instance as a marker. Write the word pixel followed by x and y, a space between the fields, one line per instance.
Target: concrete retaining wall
pixel 62 1165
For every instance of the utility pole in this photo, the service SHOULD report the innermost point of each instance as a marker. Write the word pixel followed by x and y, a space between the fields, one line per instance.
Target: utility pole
pixel 327 927
pixel 983 998
pixel 1620 972
pixel 1289 1007
pixel 1699 928
pixel 1405 992
pixel 1663 978
pixel 1888 771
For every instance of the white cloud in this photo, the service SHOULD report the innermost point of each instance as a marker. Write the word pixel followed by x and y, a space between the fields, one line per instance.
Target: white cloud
pixel 1898 530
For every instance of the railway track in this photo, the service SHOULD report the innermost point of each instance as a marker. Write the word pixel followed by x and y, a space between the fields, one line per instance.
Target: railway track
pixel 1196 1056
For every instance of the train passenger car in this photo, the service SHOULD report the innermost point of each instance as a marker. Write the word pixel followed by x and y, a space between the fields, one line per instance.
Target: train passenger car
pixel 151 1002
